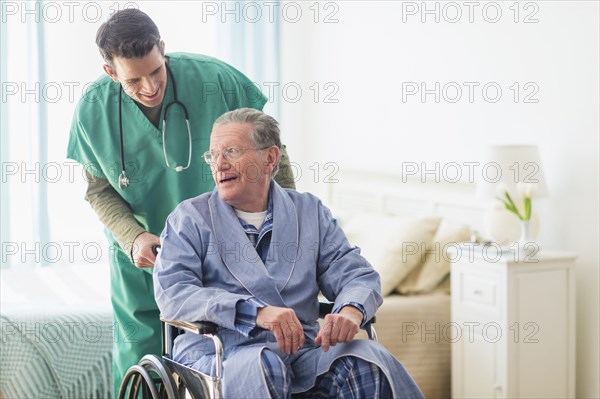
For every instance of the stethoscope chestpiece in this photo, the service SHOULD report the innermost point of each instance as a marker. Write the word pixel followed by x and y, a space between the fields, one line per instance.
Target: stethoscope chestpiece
pixel 123 180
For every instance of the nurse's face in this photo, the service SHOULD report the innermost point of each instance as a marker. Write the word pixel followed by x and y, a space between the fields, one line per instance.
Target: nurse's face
pixel 143 79
pixel 243 182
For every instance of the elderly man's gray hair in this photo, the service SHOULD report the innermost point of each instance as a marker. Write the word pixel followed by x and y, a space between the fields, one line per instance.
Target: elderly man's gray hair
pixel 265 129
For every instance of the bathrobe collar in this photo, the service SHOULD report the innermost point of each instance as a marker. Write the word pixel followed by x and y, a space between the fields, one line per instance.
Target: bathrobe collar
pixel 264 281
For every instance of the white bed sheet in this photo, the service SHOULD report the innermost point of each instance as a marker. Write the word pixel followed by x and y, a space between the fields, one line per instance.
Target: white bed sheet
pixel 56 332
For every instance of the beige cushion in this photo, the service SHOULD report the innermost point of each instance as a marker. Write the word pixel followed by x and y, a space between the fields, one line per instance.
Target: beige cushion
pixel 393 245
pixel 435 269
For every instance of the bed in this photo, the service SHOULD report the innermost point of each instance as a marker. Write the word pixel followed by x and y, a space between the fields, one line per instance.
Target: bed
pixel 404 228
pixel 56 335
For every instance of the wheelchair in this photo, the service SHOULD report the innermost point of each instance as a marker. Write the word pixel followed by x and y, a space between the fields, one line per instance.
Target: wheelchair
pixel 160 377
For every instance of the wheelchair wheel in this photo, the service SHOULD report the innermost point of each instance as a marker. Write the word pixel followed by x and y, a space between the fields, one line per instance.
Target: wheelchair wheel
pixel 141 376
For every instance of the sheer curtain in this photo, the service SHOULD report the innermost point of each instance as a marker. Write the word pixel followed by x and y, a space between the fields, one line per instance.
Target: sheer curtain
pixel 48 59
pixel 251 31
pixel 25 222
pixel 4 208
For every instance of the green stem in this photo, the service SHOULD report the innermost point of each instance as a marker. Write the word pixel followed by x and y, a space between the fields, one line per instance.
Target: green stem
pixel 527 208
pixel 515 210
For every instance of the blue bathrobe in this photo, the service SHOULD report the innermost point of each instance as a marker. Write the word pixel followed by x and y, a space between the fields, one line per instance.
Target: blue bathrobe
pixel 207 265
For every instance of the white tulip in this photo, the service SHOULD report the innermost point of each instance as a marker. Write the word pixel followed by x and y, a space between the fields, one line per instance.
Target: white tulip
pixel 527 190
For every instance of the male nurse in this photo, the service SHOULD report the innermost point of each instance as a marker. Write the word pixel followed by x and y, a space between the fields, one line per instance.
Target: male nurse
pixel 140 133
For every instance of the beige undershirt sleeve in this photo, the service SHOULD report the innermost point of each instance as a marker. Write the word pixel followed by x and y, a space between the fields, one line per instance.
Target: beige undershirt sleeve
pixel 285 175
pixel 113 211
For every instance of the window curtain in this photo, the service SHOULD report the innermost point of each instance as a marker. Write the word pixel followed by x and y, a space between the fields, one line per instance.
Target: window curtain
pixel 25 223
pixel 4 214
pixel 251 44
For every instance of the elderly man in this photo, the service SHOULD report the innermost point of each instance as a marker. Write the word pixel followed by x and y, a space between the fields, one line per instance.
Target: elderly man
pixel 252 257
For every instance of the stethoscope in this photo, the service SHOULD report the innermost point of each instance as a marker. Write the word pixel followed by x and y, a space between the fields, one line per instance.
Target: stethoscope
pixel 123 179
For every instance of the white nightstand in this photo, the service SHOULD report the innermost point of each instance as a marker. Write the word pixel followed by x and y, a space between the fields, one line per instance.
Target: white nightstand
pixel 513 324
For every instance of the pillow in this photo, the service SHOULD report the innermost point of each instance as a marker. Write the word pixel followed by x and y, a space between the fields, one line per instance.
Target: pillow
pixel 436 267
pixel 393 245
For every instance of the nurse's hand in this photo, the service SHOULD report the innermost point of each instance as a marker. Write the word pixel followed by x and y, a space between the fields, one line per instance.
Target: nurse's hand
pixel 141 252
pixel 285 325
pixel 339 327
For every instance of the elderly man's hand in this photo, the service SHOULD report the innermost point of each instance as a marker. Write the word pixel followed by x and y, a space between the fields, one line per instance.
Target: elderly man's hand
pixel 285 325
pixel 340 327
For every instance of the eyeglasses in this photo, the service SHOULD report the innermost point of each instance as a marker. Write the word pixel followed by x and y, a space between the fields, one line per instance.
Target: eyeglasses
pixel 230 154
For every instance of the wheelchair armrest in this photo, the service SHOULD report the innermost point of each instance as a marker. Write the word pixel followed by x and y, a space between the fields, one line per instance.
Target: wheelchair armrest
pixel 327 307
pixel 196 327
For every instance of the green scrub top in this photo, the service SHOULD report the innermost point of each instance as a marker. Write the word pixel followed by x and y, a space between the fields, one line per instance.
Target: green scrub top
pixel 208 88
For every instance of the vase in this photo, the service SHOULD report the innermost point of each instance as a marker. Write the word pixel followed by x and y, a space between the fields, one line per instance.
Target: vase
pixel 526 243
pixel 525 231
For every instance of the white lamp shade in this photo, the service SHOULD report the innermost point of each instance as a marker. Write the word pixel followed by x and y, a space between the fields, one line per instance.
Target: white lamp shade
pixel 510 165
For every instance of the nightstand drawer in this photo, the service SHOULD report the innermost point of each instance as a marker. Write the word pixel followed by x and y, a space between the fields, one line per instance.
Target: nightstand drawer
pixel 478 290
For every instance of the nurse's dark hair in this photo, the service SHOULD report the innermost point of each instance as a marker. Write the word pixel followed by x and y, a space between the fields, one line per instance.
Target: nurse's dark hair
pixel 128 33
pixel 265 129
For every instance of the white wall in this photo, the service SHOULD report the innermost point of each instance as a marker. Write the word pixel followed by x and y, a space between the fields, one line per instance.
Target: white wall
pixel 370 54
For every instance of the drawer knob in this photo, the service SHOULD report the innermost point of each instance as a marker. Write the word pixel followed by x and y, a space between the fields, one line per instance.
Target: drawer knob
pixel 477 292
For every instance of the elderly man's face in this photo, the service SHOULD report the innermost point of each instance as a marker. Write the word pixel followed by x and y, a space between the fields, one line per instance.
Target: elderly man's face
pixel 243 182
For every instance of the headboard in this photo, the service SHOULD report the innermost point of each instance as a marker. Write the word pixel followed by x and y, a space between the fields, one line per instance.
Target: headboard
pixel 354 191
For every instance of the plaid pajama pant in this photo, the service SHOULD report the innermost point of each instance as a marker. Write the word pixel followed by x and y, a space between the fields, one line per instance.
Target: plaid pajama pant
pixel 348 377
